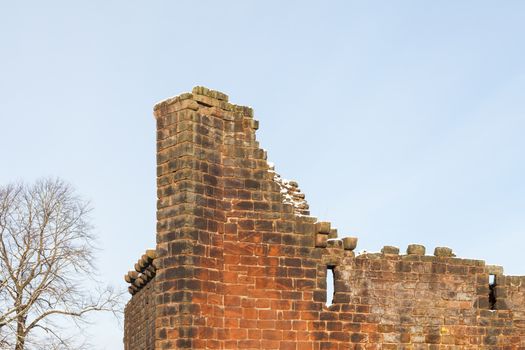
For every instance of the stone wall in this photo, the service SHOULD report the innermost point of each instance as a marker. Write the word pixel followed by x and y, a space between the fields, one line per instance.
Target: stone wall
pixel 139 325
pixel 240 264
pixel 419 301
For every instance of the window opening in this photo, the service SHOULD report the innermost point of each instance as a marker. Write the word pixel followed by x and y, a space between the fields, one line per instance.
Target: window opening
pixel 492 292
pixel 330 285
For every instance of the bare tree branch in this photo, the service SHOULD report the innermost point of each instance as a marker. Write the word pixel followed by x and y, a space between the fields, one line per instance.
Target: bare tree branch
pixel 46 257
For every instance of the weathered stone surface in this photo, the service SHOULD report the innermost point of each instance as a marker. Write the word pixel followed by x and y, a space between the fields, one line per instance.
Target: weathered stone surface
pixel 323 227
pixel 240 263
pixel 321 240
pixel 333 233
pixel 416 249
pixel 350 243
pixel 495 269
pixel 388 249
pixel 335 243
pixel 444 252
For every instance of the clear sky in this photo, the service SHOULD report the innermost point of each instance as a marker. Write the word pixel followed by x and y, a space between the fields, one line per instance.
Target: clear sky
pixel 402 121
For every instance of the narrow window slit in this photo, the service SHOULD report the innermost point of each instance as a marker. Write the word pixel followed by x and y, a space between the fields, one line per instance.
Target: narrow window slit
pixel 330 285
pixel 492 292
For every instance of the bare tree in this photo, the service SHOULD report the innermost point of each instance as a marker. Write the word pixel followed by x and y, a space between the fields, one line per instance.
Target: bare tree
pixel 46 257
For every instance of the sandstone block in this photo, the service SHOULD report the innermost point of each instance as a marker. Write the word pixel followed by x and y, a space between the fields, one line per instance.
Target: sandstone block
pixel 416 249
pixel 335 243
pixel 495 270
pixel 323 227
pixel 201 90
pixel 444 252
pixel 350 243
pixel 321 240
pixel 390 250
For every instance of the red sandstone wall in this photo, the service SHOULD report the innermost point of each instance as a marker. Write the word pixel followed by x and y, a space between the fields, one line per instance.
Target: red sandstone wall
pixel 241 267
pixel 139 322
pixel 417 301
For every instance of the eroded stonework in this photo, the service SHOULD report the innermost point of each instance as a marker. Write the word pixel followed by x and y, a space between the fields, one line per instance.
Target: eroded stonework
pixel 240 264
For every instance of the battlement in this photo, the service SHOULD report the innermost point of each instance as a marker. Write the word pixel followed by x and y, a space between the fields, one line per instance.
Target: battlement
pixel 240 263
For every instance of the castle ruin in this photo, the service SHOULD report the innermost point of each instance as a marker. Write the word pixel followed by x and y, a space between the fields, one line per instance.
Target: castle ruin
pixel 240 263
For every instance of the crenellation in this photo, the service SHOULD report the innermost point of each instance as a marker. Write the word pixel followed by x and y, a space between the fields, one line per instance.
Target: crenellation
pixel 241 264
pixel 443 252
pixel 349 243
pixel 390 250
pixel 416 249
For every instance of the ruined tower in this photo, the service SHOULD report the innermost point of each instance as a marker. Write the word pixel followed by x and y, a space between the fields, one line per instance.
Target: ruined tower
pixel 240 263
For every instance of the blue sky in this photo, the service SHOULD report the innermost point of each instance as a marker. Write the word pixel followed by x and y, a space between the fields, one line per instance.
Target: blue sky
pixel 402 121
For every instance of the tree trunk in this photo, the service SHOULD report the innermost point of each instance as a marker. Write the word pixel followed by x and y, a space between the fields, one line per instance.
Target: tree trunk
pixel 20 333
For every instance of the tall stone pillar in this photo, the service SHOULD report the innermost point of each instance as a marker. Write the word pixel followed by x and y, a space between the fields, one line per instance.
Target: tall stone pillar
pixel 197 134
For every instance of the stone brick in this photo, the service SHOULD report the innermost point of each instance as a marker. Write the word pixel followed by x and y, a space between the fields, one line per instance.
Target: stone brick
pixel 443 251
pixel 321 240
pixel 416 249
pixel 349 243
pixel 390 250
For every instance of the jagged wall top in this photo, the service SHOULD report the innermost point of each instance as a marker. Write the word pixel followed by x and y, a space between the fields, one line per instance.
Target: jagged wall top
pixel 289 189
pixel 205 96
